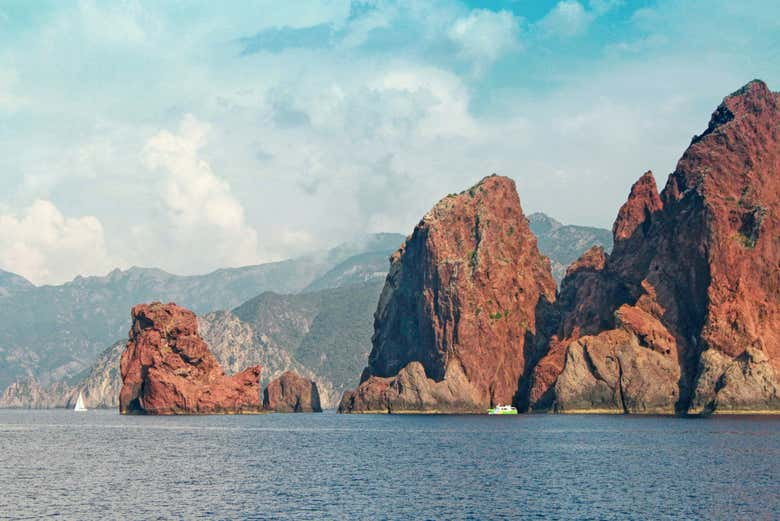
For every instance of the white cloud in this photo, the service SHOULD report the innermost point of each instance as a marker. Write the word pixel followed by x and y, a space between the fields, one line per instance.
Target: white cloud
pixel 603 6
pixel 309 146
pixel 46 247
pixel 483 36
pixel 392 103
pixel 567 19
pixel 203 215
pixel 433 101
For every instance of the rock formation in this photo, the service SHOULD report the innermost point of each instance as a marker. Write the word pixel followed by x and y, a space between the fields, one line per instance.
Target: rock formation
pixel 291 392
pixel 463 311
pixel 168 369
pixel 684 315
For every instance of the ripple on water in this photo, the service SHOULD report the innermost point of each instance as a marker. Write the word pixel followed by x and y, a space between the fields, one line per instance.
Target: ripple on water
pixel 100 465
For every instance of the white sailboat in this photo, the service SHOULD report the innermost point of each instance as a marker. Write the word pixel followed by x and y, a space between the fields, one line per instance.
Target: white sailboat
pixel 80 404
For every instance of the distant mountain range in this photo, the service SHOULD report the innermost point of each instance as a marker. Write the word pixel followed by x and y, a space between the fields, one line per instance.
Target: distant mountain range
pixel 313 315
pixel 323 335
pixel 11 283
pixel 56 332
pixel 564 243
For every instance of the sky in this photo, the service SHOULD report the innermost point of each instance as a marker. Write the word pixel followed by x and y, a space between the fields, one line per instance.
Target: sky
pixel 192 135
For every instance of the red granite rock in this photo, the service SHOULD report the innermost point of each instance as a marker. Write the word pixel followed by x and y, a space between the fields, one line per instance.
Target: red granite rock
pixel 291 392
pixel 643 202
pixel 463 311
pixel 168 369
pixel 694 275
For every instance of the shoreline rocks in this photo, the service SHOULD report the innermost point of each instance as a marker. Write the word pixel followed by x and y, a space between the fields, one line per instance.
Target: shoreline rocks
pixel 291 392
pixel 684 316
pixel 168 369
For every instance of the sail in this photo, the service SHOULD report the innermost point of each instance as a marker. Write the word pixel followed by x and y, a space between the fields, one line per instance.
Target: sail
pixel 80 404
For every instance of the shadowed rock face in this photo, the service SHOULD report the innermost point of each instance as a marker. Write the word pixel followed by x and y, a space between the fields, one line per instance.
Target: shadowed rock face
pixel 684 315
pixel 463 309
pixel 168 369
pixel 291 393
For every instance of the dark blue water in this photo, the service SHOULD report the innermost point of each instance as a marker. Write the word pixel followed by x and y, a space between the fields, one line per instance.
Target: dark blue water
pixel 99 465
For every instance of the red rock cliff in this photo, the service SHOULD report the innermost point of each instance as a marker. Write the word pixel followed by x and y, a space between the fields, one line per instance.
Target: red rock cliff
pixel 168 369
pixel 463 310
pixel 684 315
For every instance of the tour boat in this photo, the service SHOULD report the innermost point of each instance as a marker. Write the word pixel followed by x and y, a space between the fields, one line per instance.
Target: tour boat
pixel 503 409
pixel 80 404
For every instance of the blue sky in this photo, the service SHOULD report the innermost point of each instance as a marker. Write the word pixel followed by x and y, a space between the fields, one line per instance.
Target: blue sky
pixel 191 137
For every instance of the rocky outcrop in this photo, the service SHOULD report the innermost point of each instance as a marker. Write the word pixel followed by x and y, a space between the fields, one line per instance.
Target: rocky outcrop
pixel 168 369
pixel 411 392
pixel 684 315
pixel 631 369
pixel 643 202
pixel 745 384
pixel 291 392
pixel 464 310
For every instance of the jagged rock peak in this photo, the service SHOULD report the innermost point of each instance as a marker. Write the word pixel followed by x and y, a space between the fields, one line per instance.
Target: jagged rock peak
pixel 543 222
pixel 750 98
pixel 685 315
pixel 593 259
pixel 461 302
pixel 642 202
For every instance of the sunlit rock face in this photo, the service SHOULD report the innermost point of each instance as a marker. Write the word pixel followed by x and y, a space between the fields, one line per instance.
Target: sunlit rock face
pixel 291 392
pixel 463 311
pixel 684 315
pixel 167 368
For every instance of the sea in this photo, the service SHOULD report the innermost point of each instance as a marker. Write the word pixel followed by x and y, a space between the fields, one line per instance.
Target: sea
pixel 59 464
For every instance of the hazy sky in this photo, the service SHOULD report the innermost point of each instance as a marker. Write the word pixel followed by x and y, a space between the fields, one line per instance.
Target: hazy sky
pixel 196 135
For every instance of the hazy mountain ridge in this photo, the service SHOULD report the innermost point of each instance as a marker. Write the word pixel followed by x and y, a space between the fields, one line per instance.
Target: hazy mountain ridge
pixel 55 332
pixel 11 283
pixel 364 268
pixel 327 332
pixel 564 243
pixel 323 335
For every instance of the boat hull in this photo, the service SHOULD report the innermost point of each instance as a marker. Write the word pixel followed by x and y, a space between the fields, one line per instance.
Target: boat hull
pixel 493 412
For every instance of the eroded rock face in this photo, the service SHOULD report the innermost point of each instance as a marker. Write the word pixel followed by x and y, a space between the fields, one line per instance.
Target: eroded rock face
pixel 464 310
pixel 291 392
pixel 30 394
pixel 411 391
pixel 631 369
pixel 690 296
pixel 168 369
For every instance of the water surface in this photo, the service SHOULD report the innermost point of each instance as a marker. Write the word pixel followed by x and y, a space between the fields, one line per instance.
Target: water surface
pixel 99 465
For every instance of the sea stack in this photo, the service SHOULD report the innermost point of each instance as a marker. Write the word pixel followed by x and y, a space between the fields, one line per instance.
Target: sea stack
pixel 168 369
pixel 291 392
pixel 684 315
pixel 464 312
